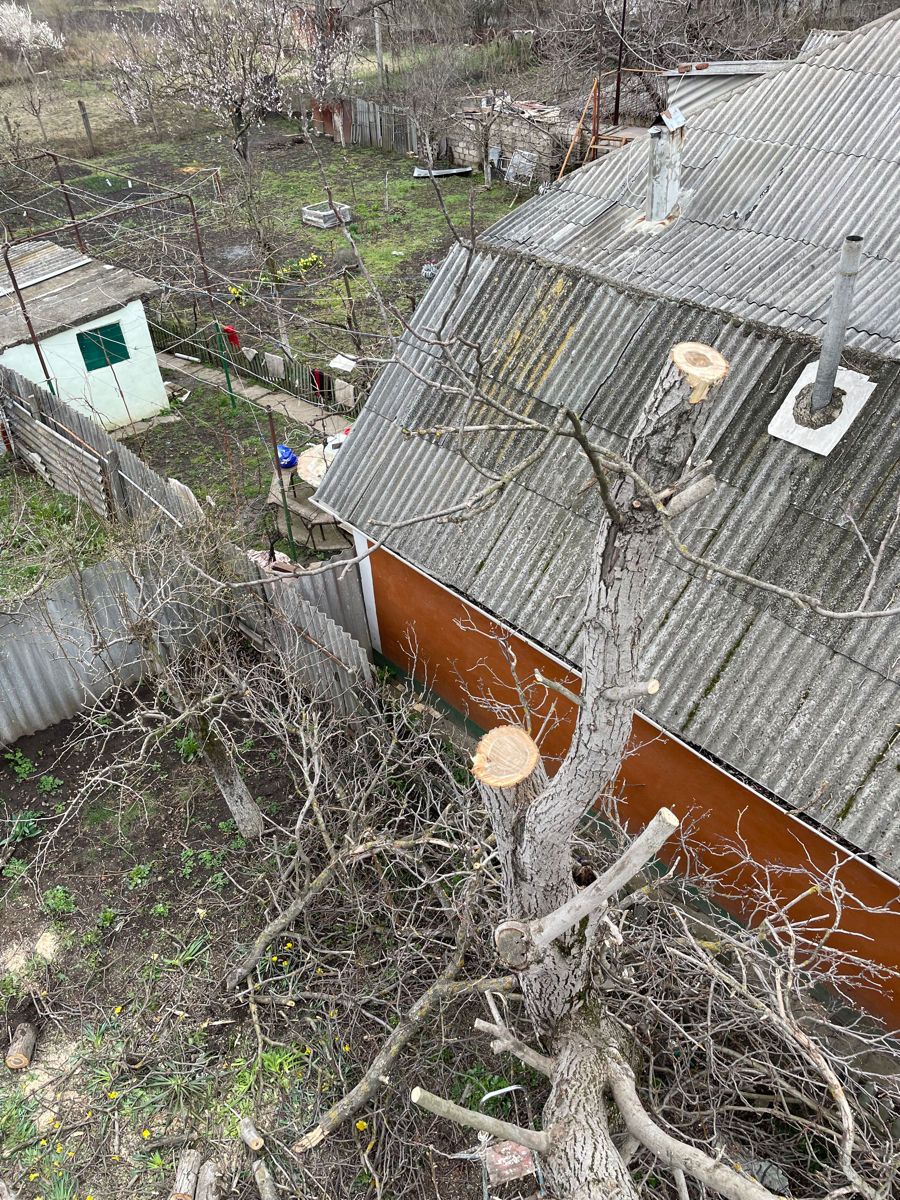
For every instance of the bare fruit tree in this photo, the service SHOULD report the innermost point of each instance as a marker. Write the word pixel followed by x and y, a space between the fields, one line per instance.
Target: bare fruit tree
pixel 667 1036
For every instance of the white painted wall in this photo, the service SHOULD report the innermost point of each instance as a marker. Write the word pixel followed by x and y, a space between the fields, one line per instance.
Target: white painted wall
pixel 128 391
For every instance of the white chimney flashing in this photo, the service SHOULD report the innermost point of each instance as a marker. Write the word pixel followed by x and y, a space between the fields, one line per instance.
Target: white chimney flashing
pixel 857 389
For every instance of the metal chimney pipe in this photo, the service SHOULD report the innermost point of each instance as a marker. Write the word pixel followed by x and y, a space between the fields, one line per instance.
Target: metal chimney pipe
pixel 836 327
pixel 664 178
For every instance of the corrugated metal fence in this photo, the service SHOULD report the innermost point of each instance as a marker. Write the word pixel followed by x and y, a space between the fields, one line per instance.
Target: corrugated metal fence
pixel 77 456
pixel 384 126
pixel 64 648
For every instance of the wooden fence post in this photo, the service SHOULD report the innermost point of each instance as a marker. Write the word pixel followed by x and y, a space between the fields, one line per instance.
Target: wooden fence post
pixel 118 497
pixel 87 128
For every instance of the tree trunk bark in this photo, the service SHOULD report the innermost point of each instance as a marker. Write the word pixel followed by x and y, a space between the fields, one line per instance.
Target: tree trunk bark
pixel 246 812
pixel 583 1161
pixel 208 1182
pixel 186 1175
pixel 534 820
pixel 265 1184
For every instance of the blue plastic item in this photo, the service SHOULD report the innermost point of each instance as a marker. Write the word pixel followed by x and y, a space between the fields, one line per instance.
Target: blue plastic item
pixel 286 457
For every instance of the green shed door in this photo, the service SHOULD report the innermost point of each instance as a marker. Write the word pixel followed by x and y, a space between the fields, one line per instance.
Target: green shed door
pixel 103 347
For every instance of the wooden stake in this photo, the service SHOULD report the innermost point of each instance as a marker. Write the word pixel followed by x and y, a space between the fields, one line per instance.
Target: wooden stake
pixel 208 1181
pixel 249 1134
pixel 505 757
pixel 186 1175
pixel 21 1047
pixel 265 1184
pixel 87 128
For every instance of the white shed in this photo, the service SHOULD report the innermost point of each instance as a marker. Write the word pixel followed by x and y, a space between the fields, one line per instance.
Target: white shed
pixel 88 319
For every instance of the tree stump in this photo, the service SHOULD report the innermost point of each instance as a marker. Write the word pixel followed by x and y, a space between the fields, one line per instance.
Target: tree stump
pixel 208 1181
pixel 186 1173
pixel 249 1134
pixel 265 1184
pixel 21 1048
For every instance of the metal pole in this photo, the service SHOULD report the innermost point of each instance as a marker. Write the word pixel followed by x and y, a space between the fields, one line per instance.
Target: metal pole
pixel 619 64
pixel 836 328
pixel 287 511
pixel 21 299
pixel 66 197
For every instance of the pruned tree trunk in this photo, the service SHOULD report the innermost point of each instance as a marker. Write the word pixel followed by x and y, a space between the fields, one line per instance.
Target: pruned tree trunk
pixel 21 1048
pixel 246 812
pixel 534 820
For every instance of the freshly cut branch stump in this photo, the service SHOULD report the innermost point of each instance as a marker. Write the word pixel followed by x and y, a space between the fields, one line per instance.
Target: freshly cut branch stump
pixel 701 366
pixel 249 1134
pixel 265 1184
pixel 208 1181
pixel 21 1048
pixel 186 1173
pixel 505 757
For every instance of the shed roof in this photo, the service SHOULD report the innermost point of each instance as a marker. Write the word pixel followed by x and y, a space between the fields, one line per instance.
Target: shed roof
pixel 62 289
pixel 806 708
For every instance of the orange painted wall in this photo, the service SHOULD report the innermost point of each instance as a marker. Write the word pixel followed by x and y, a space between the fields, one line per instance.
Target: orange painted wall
pixel 446 643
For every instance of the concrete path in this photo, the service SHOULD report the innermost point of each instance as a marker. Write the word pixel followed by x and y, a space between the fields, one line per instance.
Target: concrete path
pixel 313 416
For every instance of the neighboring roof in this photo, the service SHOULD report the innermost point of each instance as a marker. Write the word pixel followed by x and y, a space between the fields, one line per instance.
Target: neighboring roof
pixel 566 308
pixel 694 85
pixel 62 289
pixel 774 176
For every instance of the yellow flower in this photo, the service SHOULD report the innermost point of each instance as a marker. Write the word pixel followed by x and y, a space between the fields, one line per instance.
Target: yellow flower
pixel 112 1095
pixel 145 1133
pixel 274 958
pixel 58 1149
pixel 361 1125
pixel 201 912
pixel 33 1175
pixel 346 1048
pixel 89 1113
pixel 56 1124
pixel 43 1141
pixel 118 1010
pixel 289 946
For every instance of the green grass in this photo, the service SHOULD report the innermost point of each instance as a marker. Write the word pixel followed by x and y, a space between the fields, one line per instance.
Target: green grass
pixel 42 531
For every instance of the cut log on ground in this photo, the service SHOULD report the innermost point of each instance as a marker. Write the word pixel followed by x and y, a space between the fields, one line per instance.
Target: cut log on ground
pixel 265 1184
pixel 186 1172
pixel 208 1181
pixel 21 1048
pixel 249 1134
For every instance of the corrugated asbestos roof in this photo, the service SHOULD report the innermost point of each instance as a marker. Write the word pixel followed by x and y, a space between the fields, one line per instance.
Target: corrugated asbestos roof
pixel 62 289
pixel 772 182
pixel 807 708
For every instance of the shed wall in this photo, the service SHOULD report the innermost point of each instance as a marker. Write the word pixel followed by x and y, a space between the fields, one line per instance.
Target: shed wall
pixel 129 391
